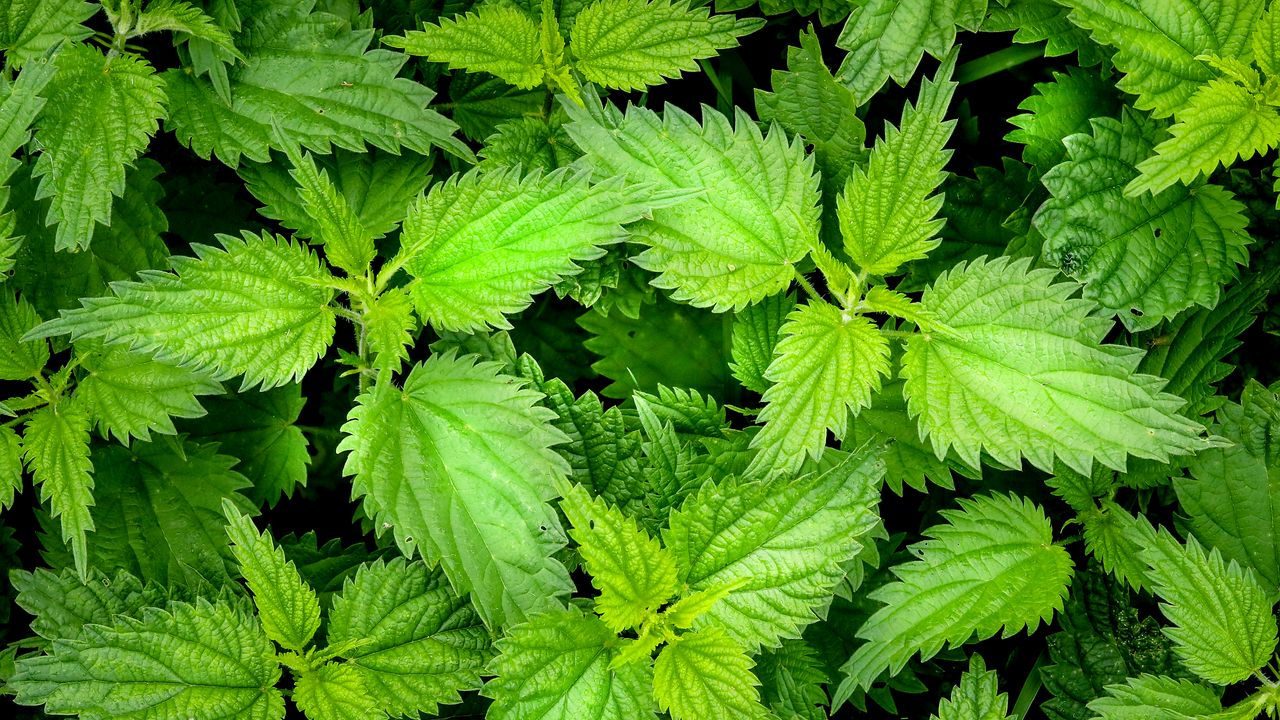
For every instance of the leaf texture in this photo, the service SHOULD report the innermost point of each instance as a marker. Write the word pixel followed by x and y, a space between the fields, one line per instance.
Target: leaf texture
pixel 705 674
pixel 56 449
pixel 131 394
pixel 753 214
pixel 1150 697
pixel 458 463
pixel 28 28
pixel 334 692
pixel 755 336
pixel 1062 392
pixel 19 360
pixel 255 307
pixel 501 40
pixel 287 606
pixel 977 697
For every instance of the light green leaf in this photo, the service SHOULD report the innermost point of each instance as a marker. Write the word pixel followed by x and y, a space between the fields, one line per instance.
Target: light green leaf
pixel 416 643
pixel 100 116
pixel 21 103
pixel 1062 392
pixel 705 674
pixel 347 244
pixel 992 568
pixel 334 692
pixel 1059 109
pixel 1266 42
pixel 390 324
pixel 1144 258
pixel 754 213
pixel 887 210
pixel 1221 123
pixel 56 448
pixel 631 44
pixel 308 73
pixel 755 335
pixel 1232 498
pixel 458 464
pixel 497 39
pixel 1224 628
pixel 557 667
pixel 193 662
pixel 158 511
pixel 181 17
pixel 256 306
pixel 887 38
pixel 633 572
pixel 19 360
pixel 787 538
pixel 130 394
pixel 1150 697
pixel 826 365
pixel 533 143
pixel 28 28
pixel 977 697
pixel 1115 537
pixel 1157 42
pixel 287 606
pixel 10 466
pixel 481 245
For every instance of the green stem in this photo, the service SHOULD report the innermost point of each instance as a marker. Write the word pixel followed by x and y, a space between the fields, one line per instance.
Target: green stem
pixel 808 287
pixel 998 62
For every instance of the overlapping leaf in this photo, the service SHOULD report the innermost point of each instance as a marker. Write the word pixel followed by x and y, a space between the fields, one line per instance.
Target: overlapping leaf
pixel 706 674
pixel 56 449
pixel 287 606
pixel 131 394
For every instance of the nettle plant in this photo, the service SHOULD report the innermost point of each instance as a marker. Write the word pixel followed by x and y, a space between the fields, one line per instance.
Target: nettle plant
pixel 785 316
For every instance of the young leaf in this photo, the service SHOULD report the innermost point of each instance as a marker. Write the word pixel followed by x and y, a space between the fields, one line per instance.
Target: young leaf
pixel 887 211
pixel 754 213
pixel 792 680
pixel 558 666
pixel 992 568
pixel 1224 628
pixel 347 244
pixel 1115 537
pixel 755 336
pixel 1221 123
pixel 633 572
pixel 1063 393
pixel 458 462
pixel 886 39
pixel 390 322
pixel 256 306
pixel 83 163
pixel 193 662
pixel 501 40
pixel 631 44
pixel 288 608
pixel 705 674
pixel 56 448
pixel 977 697
pixel 481 245
pixel 1146 257
pixel 827 364
pixel 1157 43
pixel 28 28
pixel 130 394
pixel 415 643
pixel 1150 697
pixel 334 692
pixel 787 540
pixel 19 360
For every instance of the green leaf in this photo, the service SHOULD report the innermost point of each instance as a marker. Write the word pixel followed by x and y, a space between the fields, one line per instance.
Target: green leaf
pixel 458 462
pixel 908 458
pixel 1145 257
pixel 56 448
pixel 754 214
pixel 83 163
pixel 481 245
pixel 62 604
pixel 827 364
pixel 390 326
pixel 792 680
pixel 130 394
pixel 1232 498
pixel 28 28
pixel 497 39
pixel 533 143
pixel 1062 392
pixel 787 538
pixel 288 608
pixel 631 44
pixel 705 674
pixel 1266 42
pixel 1034 21
pixel 19 360
pixel 21 103
pixel 258 428
pixel 182 17
pixel 256 306
pixel 887 39
pixel 558 667
pixel 347 243
pixel 992 568
pixel 977 697
pixel 327 567
pixel 1115 537
pixel 1221 123
pixel 1224 628
pixel 633 572
pixel 887 210
pixel 416 643
pixel 755 335
pixel 1157 43
pixel 10 467
pixel 193 662
pixel 1157 698
pixel 1059 109
pixel 308 73
pixel 334 692
pixel 159 511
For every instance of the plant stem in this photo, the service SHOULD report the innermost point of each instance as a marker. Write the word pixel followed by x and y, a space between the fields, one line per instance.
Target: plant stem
pixel 808 287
